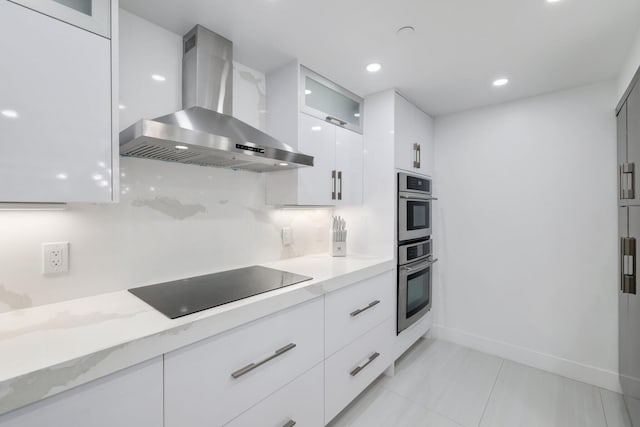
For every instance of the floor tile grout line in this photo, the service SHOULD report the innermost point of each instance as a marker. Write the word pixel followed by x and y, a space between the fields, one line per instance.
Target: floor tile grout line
pixel 422 406
pixel 604 411
pixel 486 405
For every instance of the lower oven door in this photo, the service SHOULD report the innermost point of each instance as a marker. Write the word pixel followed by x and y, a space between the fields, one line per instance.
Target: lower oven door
pixel 414 292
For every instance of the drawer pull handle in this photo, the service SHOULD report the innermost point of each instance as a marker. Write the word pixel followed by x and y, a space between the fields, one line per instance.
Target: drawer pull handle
pixel 359 368
pixel 250 367
pixel 336 121
pixel 289 423
pixel 360 310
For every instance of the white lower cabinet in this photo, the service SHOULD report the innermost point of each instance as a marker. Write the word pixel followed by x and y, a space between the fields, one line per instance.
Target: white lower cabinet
pixel 129 398
pixel 273 371
pixel 356 309
pixel 352 369
pixel 299 403
pixel 211 382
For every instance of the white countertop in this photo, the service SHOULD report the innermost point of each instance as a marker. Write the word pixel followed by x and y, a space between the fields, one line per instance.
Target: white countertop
pixel 48 349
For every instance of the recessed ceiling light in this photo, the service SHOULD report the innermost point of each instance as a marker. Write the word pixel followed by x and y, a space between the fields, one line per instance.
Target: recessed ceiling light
pixel 374 67
pixel 316 128
pixel 406 31
pixel 122 107
pixel 307 92
pixel 356 115
pixel 12 114
pixel 554 1
pixel 62 175
pixel 284 164
pixel 158 77
pixel 182 147
pixel 500 82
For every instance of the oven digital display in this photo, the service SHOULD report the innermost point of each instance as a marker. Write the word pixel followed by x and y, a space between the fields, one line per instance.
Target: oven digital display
pixel 418 251
pixel 418 184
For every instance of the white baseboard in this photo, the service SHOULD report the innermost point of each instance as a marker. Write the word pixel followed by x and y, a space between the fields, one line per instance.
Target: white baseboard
pixel 567 368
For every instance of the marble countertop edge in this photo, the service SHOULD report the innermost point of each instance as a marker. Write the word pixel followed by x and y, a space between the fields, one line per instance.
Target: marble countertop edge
pixel 31 373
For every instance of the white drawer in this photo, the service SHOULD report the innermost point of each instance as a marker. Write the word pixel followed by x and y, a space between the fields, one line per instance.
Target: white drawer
pixel 199 387
pixel 342 381
pixel 356 309
pixel 300 402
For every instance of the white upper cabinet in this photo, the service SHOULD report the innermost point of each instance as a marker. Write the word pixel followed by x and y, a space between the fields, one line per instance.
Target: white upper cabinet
pixel 317 139
pixel 56 107
pixel 349 167
pixel 315 117
pixel 413 138
pixel 92 15
pixel 325 100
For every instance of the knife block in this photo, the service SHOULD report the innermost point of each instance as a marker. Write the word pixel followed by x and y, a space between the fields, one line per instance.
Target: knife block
pixel 338 248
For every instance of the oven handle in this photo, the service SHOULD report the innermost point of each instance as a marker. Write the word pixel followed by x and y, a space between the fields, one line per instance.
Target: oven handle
pixel 421 266
pixel 417 197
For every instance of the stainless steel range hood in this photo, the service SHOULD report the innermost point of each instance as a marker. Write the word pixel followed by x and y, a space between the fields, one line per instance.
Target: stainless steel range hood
pixel 204 133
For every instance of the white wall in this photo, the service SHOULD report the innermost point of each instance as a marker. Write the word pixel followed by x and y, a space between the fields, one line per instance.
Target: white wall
pixel 630 66
pixel 527 227
pixel 172 220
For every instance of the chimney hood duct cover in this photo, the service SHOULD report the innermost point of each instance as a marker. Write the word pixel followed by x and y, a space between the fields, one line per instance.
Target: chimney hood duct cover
pixel 205 131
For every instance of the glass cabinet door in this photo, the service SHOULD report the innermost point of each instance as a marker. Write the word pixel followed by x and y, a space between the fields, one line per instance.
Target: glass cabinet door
pixel 325 100
pixel 91 15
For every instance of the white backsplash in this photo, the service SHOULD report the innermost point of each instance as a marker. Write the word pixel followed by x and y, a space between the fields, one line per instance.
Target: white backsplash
pixel 173 220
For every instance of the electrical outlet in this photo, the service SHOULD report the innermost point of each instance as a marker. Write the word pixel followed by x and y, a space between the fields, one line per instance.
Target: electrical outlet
pixel 287 236
pixel 55 258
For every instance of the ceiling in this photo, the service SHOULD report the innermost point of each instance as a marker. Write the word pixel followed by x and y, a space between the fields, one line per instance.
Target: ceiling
pixel 449 63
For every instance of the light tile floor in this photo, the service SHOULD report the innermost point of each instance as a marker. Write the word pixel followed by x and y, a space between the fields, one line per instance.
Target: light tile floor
pixel 440 384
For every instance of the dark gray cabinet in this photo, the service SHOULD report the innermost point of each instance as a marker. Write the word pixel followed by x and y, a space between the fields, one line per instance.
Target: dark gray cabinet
pixel 629 149
pixel 628 301
pixel 628 128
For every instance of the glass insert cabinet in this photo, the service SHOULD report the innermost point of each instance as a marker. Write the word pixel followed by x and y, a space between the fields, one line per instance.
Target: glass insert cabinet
pixel 326 100
pixel 91 15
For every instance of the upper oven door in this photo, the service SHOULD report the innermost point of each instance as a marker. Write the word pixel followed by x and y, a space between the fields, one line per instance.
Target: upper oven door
pixel 414 216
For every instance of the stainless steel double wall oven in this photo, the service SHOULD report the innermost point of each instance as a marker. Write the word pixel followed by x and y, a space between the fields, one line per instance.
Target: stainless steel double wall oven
pixel 415 249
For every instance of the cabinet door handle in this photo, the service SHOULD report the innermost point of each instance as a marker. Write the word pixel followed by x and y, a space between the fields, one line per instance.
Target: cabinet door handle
pixel 361 310
pixel 250 367
pixel 416 164
pixel 340 190
pixel 628 267
pixel 289 423
pixel 419 156
pixel 628 181
pixel 333 178
pixel 336 121
pixel 621 182
pixel 359 368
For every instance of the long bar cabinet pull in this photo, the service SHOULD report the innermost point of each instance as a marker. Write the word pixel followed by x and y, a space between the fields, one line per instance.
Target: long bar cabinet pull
pixel 359 368
pixel 333 177
pixel 628 259
pixel 250 367
pixel 627 175
pixel 361 310
pixel 336 121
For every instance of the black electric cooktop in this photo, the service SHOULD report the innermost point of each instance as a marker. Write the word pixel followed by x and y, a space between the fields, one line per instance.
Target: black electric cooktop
pixel 181 297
